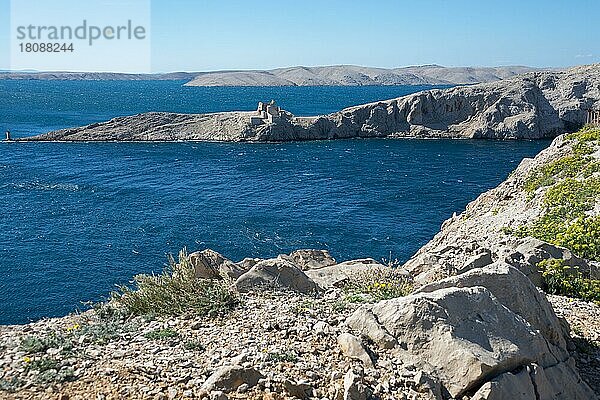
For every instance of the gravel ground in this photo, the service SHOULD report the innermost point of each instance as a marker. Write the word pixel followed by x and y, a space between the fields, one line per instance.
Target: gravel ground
pixel 584 319
pixel 291 339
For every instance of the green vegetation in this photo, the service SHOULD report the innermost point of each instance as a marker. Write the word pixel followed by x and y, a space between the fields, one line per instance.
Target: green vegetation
pixel 578 164
pixel 568 281
pixel 104 331
pixel 161 334
pixel 42 364
pixel 194 345
pixel 565 222
pixel 573 190
pixel 10 385
pixel 587 134
pixel 39 344
pixel 54 376
pixel 288 356
pixel 377 284
pixel 176 291
pixel 303 307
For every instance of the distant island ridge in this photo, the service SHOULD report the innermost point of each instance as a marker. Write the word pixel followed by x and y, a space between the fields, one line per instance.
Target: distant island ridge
pixel 338 75
pixel 533 105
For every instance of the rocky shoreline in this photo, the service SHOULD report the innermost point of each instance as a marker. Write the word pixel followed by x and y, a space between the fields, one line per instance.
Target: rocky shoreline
pixel 465 318
pixel 530 106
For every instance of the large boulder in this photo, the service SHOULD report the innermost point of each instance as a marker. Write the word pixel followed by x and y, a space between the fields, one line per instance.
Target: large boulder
pixel 208 264
pixel 337 274
pixel 228 378
pixel 312 259
pixel 464 337
pixel 530 251
pixel 533 382
pixel 276 273
pixel 515 291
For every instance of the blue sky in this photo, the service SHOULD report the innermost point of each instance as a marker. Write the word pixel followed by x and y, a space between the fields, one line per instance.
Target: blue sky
pixel 196 35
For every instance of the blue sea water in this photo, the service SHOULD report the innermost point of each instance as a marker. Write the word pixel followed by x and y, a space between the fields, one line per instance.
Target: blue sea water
pixel 76 219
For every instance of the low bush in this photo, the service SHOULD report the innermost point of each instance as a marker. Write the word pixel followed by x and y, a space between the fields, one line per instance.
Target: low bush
pixel 161 334
pixel 577 164
pixel 377 284
pixel 568 281
pixel 574 190
pixel 586 134
pixel 176 291
pixel 288 356
pixel 565 222
pixel 41 343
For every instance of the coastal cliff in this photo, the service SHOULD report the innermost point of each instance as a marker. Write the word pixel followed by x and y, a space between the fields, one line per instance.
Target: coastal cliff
pixel 466 318
pixel 530 106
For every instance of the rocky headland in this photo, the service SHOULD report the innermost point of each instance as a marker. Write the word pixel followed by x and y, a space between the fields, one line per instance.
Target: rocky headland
pixel 530 106
pixel 501 304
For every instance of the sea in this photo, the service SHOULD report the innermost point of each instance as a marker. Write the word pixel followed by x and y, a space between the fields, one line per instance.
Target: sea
pixel 77 219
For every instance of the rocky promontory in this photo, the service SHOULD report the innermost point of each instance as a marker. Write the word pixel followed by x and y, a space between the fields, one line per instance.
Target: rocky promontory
pixel 501 304
pixel 530 106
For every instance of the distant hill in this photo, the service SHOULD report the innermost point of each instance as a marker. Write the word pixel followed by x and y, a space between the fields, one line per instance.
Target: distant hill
pixel 94 76
pixel 350 75
pixel 339 75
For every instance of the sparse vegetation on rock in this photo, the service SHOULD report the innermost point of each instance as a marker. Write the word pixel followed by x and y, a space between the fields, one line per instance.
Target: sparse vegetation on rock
pixel 568 281
pixel 572 190
pixel 176 291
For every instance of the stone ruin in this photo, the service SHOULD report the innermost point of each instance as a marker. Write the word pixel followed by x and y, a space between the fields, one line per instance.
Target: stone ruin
pixel 266 113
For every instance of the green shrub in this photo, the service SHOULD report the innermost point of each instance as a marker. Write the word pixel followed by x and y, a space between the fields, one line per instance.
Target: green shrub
pixel 194 345
pixel 288 356
pixel 565 222
pixel 587 134
pixel 41 343
pixel 11 384
pixel 177 291
pixel 104 331
pixel 377 284
pixel 161 334
pixel 582 237
pixel 574 190
pixel 567 167
pixel 568 281
pixel 577 164
pixel 42 364
pixel 570 197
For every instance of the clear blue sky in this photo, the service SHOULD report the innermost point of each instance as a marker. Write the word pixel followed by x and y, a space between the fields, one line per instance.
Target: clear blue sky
pixel 196 35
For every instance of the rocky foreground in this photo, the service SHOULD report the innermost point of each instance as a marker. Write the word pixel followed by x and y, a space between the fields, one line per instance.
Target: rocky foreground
pixel 465 318
pixel 529 106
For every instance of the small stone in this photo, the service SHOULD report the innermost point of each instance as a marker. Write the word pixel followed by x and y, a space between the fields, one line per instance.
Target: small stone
pixel 353 348
pixel 229 378
pixel 218 395
pixel 172 393
pixel 299 390
pixel 354 389
pixel 321 327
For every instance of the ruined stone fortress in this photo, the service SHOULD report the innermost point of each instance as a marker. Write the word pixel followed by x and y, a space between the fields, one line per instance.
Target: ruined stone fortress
pixel 267 113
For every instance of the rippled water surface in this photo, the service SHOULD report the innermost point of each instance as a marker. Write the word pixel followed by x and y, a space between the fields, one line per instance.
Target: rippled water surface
pixel 76 219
